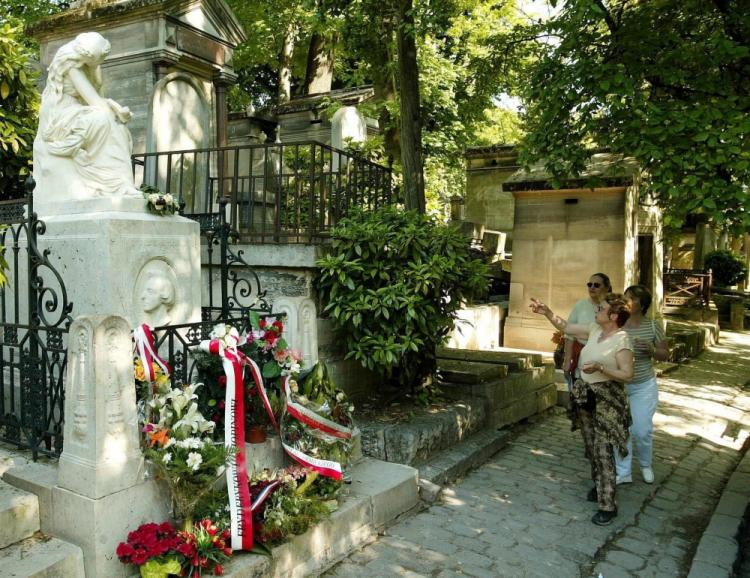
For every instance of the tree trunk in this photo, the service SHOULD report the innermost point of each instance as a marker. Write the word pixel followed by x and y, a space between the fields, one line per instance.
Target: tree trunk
pixel 319 72
pixel 285 63
pixel 411 122
pixel 384 85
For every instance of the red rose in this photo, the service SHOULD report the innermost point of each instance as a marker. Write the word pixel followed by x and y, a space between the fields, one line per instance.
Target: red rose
pixel 262 324
pixel 222 380
pixel 124 550
pixel 225 535
pixel 218 570
pixel 227 551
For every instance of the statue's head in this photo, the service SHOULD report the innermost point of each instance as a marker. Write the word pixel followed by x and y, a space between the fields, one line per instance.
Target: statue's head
pixel 92 46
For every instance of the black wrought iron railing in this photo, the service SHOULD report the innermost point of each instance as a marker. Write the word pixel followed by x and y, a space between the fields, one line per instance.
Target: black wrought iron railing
pixel 35 317
pixel 279 192
pixel 686 287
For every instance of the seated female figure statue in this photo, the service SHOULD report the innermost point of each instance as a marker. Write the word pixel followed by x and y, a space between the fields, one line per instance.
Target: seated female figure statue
pixel 82 148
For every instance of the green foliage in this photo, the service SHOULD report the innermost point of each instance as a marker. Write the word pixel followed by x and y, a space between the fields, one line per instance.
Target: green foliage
pixel 392 285
pixel 19 106
pixel 727 268
pixel 666 82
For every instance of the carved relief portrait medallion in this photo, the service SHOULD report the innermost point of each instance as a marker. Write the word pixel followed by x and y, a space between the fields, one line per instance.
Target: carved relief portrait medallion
pixel 155 293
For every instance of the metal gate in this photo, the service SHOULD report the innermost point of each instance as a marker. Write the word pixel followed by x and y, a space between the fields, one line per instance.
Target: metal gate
pixel 232 289
pixel 35 317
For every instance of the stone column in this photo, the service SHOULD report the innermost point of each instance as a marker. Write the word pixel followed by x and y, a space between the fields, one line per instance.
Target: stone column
pixel 101 494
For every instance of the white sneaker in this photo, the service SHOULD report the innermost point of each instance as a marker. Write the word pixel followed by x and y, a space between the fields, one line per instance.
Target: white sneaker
pixel 648 475
pixel 625 479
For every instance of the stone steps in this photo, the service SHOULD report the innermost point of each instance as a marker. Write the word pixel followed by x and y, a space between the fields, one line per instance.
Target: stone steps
pixel 24 551
pixel 428 432
pixel 19 514
pixel 41 557
pixel 515 360
pixel 378 494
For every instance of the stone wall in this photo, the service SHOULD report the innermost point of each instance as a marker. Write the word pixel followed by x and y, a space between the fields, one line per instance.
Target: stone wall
pixel 558 245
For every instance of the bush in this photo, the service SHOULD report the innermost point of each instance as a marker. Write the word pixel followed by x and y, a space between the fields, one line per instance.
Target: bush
pixel 727 268
pixel 19 107
pixel 392 285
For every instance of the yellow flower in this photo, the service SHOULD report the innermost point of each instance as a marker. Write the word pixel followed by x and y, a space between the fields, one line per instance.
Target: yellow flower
pixel 140 372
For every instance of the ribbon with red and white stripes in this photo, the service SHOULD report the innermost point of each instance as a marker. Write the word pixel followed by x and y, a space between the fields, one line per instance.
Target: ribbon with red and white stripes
pixel 329 468
pixel 240 506
pixel 312 419
pixel 143 347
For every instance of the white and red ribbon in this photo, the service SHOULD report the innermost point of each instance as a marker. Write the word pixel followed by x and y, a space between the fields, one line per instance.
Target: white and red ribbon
pixel 240 506
pixel 143 347
pixel 312 419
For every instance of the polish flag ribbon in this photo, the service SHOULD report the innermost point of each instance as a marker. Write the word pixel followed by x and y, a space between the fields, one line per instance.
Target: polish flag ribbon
pixel 240 504
pixel 144 348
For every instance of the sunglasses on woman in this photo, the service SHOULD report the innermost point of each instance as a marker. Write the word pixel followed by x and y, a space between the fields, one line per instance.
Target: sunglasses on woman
pixel 591 285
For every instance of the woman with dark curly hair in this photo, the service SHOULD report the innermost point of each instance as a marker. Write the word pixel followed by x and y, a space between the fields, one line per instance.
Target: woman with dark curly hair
pixel 599 399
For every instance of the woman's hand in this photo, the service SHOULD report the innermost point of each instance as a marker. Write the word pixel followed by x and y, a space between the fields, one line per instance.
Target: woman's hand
pixel 540 308
pixel 122 113
pixel 592 367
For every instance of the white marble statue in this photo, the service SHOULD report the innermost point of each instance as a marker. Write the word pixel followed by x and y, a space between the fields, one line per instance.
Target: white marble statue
pixel 82 148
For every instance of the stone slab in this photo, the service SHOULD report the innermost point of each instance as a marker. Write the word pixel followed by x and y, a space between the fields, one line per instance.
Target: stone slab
pixel 19 514
pixel 391 489
pixel 524 407
pixel 424 434
pixel 42 557
pixel 515 360
pixel 458 371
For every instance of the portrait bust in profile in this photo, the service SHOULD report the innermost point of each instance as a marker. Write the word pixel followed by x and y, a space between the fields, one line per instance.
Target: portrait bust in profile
pixel 155 293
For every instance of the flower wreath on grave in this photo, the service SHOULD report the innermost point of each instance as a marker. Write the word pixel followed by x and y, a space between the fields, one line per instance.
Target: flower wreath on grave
pixel 180 442
pixel 159 203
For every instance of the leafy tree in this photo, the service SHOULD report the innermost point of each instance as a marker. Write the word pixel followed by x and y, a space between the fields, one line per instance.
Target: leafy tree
pixel 19 106
pixel 727 267
pixel 392 284
pixel 666 82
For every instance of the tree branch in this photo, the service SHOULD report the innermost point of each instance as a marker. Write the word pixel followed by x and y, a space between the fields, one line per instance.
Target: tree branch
pixel 611 24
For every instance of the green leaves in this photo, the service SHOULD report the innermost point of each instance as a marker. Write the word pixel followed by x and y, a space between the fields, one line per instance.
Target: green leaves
pixel 19 106
pixel 393 305
pixel 665 82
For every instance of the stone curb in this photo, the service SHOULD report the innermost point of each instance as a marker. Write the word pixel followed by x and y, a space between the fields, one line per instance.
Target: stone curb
pixel 452 464
pixel 718 550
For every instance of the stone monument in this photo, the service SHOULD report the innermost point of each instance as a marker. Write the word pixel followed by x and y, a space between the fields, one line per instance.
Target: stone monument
pixel 122 266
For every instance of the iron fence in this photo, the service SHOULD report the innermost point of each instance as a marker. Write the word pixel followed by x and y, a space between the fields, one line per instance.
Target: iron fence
pixel 35 318
pixel 278 192
pixel 684 287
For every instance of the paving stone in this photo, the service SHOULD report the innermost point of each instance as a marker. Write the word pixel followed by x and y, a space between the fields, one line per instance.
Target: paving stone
pixel 626 560
pixel 610 571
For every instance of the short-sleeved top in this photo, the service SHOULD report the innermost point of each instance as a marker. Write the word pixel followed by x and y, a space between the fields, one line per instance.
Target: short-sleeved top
pixel 583 313
pixel 604 352
pixel 650 331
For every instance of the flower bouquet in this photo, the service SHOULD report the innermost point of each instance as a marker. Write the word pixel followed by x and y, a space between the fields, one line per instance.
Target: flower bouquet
pixel 158 550
pixel 181 447
pixel 294 504
pixel 317 395
pixel 158 202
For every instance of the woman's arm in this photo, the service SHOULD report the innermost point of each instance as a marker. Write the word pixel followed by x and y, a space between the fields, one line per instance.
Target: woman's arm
pixel 86 90
pixel 559 323
pixel 624 371
pixel 661 350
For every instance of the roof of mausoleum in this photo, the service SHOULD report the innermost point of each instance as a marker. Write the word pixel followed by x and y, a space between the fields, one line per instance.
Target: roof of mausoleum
pixel 491 151
pixel 346 96
pixel 212 17
pixel 603 169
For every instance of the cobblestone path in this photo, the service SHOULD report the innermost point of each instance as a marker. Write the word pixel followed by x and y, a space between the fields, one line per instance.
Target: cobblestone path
pixel 524 512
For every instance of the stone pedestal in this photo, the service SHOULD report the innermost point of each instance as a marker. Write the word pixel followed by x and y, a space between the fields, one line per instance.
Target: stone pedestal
pixel 116 258
pixel 100 494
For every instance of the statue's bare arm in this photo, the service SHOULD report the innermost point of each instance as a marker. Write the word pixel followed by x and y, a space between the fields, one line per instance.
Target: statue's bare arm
pixel 90 95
